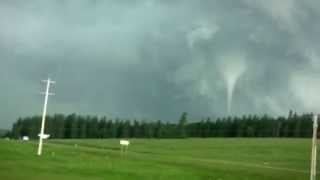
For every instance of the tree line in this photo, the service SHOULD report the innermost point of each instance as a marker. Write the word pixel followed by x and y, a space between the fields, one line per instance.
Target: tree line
pixel 79 126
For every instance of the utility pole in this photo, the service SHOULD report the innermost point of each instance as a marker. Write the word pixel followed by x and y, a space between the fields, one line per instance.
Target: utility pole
pixel 42 135
pixel 313 171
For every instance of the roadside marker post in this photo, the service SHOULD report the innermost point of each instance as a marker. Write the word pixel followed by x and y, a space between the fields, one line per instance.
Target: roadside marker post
pixel 313 170
pixel 124 146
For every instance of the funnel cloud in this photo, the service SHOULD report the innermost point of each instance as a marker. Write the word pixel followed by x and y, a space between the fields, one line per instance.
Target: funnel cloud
pixel 231 66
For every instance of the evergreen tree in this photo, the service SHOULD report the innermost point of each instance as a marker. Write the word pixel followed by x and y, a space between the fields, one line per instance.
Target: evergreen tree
pixel 182 125
pixel 125 130
pixel 159 130
pixel 297 129
pixel 82 126
pixel 76 126
pixel 136 129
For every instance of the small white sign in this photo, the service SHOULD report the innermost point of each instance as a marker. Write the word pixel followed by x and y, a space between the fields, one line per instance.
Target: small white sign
pixel 124 142
pixel 44 136
pixel 25 138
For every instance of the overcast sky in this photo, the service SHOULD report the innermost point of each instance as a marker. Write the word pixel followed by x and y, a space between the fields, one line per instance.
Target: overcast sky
pixel 155 59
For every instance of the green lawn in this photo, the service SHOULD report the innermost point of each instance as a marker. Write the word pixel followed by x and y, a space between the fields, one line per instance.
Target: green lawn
pixel 211 159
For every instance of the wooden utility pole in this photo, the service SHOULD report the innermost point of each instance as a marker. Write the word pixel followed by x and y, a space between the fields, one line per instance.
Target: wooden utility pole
pixel 42 135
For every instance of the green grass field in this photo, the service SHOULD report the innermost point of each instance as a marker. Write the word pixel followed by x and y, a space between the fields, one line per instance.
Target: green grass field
pixel 210 159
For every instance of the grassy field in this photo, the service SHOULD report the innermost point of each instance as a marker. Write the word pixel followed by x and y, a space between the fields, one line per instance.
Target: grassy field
pixel 207 159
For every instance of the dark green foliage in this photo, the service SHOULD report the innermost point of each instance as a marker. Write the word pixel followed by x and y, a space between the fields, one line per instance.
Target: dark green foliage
pixel 76 126
pixel 182 125
pixel 159 130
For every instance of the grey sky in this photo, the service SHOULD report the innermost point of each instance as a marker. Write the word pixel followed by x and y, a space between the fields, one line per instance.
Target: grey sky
pixel 157 58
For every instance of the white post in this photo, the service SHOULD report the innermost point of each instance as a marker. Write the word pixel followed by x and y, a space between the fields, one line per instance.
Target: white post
pixel 41 135
pixel 313 170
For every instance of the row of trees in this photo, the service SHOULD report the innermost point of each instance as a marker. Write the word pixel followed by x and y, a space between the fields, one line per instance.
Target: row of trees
pixel 78 126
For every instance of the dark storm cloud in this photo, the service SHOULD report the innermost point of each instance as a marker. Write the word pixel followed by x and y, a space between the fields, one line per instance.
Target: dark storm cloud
pixel 155 59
